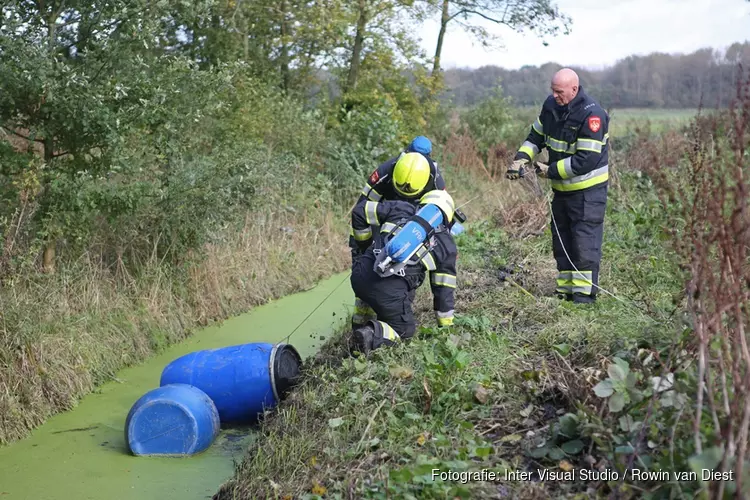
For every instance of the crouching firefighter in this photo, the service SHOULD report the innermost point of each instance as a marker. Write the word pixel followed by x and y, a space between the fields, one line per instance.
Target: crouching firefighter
pixel 413 239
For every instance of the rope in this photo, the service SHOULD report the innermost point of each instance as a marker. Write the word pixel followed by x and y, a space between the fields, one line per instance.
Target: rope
pixel 554 221
pixel 286 339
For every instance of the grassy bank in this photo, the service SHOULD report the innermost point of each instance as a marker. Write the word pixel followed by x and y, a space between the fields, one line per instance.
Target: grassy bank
pixel 525 382
pixel 484 394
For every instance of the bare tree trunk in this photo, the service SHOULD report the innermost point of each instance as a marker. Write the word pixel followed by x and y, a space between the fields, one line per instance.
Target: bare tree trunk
pixel 441 35
pixel 284 58
pixel 359 39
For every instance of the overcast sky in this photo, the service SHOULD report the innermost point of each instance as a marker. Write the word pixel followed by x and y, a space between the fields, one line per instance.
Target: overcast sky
pixel 604 31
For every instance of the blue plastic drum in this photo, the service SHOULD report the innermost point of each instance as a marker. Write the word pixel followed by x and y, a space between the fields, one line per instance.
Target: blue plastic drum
pixel 173 420
pixel 243 380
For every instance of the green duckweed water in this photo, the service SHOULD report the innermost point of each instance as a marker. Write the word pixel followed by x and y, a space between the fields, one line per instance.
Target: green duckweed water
pixel 82 454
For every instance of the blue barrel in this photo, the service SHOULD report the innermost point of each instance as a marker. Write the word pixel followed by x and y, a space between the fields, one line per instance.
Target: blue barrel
pixel 457 229
pixel 242 380
pixel 172 420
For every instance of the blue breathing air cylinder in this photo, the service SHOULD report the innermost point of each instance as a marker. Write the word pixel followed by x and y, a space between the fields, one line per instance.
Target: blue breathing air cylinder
pixel 401 246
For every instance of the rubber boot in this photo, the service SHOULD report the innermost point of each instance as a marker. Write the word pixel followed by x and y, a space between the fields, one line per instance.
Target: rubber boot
pixel 362 339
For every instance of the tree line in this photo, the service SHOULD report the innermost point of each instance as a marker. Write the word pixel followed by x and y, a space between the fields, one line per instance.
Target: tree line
pixel 706 77
pixel 126 122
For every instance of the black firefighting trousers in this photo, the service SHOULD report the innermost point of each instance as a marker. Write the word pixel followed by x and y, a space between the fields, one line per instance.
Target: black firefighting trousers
pixel 390 298
pixel 578 225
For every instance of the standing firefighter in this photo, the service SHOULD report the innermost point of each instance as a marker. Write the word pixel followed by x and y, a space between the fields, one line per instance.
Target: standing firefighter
pixel 404 177
pixel 574 129
pixel 413 240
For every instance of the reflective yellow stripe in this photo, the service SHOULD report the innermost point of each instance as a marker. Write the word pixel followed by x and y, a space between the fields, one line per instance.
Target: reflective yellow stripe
pixel 388 227
pixel 559 146
pixel 428 261
pixel 589 145
pixel 578 182
pixel 362 234
pixel 443 279
pixel 529 148
pixel 444 318
pixel 581 282
pixel 362 312
pixel 537 126
pixel 371 213
pixel 563 282
pixel 564 169
pixel 371 194
pixel 388 332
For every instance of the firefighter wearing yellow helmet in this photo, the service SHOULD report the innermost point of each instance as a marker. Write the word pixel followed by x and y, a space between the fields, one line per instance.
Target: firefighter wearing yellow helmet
pixel 404 177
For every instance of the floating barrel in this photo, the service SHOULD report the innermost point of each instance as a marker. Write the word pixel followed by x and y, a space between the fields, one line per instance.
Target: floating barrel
pixel 172 420
pixel 457 229
pixel 242 380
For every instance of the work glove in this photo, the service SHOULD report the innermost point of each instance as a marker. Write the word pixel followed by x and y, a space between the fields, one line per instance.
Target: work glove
pixel 516 169
pixel 541 169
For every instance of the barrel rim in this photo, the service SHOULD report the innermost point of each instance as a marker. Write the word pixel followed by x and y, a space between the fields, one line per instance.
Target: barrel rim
pixel 183 408
pixel 271 370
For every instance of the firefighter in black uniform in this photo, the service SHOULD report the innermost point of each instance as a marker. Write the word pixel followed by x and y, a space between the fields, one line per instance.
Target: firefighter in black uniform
pixel 403 177
pixel 574 129
pixel 391 297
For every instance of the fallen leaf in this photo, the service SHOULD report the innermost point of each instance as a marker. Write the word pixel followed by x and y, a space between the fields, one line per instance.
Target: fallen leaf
pixel 335 422
pixel 400 372
pixel 527 411
pixel 565 465
pixel 318 489
pixel 511 438
pixel 481 394
pixel 422 439
pixel 313 461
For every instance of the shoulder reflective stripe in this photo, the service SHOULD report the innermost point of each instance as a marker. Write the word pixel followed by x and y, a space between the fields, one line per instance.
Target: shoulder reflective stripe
pixel 371 213
pixel 593 178
pixel 371 194
pixel 564 169
pixel 537 126
pixel 443 279
pixel 363 234
pixel 529 148
pixel 589 145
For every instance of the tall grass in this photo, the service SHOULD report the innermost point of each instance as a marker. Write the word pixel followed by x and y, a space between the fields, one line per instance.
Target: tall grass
pixel 62 334
pixel 702 178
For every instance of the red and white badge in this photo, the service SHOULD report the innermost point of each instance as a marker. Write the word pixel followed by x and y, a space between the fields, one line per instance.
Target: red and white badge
pixel 595 123
pixel 374 177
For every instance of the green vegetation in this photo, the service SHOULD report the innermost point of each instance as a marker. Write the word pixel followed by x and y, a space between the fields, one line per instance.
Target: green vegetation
pixel 164 165
pixel 526 383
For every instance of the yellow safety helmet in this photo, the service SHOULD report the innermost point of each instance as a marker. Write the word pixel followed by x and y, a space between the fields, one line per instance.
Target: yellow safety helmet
pixel 442 200
pixel 411 174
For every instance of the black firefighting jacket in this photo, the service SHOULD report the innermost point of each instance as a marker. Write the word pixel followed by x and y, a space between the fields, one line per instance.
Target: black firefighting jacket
pixel 576 138
pixel 437 256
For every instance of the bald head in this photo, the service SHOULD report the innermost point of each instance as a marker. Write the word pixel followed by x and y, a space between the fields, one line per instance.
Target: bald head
pixel 564 86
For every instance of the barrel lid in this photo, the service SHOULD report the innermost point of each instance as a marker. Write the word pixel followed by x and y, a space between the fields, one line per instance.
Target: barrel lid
pixel 287 368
